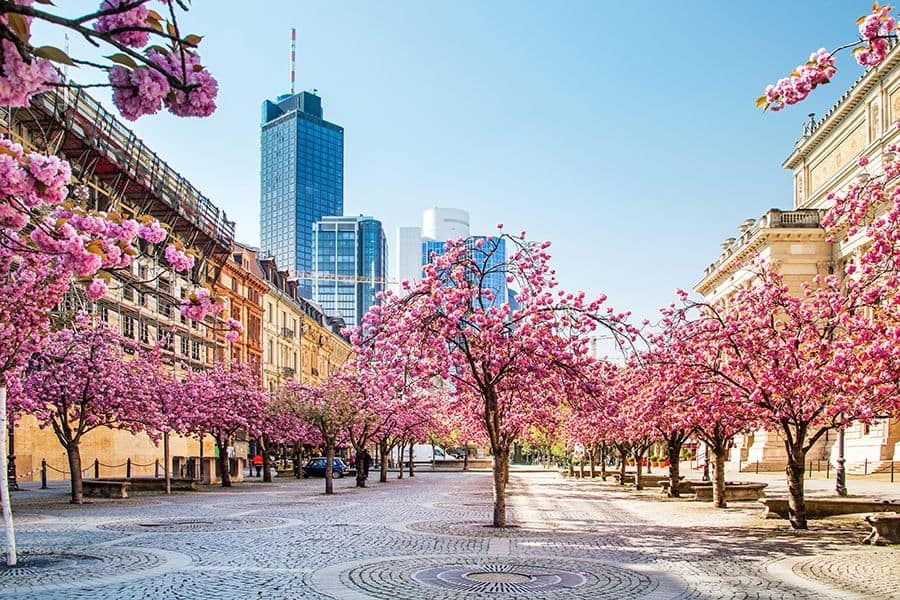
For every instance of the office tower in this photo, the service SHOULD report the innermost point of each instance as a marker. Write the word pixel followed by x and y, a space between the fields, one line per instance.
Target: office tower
pixel 442 224
pixel 351 265
pixel 302 179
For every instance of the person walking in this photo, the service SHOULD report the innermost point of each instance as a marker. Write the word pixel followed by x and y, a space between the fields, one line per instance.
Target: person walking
pixel 258 463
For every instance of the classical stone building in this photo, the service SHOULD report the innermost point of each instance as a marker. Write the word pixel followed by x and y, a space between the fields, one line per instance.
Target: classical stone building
pixel 863 122
pixel 124 174
pixel 300 342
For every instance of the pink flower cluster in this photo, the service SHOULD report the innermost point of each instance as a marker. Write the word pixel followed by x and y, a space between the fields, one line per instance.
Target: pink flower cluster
pixel 135 17
pixel 199 304
pixel 804 79
pixel 178 259
pixel 200 101
pixel 152 232
pixel 874 29
pixel 21 79
pixel 234 330
pixel 138 92
pixel 28 181
pixel 143 91
pixel 96 289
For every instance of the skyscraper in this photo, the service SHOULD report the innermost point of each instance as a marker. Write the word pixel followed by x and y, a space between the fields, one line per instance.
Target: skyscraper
pixel 302 179
pixel 351 265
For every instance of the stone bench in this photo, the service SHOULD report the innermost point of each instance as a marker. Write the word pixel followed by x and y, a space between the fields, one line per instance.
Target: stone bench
pixel 734 491
pixel 684 487
pixel 646 480
pixel 154 484
pixel 885 529
pixel 105 489
pixel 818 508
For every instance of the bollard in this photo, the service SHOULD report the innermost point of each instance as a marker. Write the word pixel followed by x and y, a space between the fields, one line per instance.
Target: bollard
pixel 128 469
pixel 739 464
pixel 156 469
pixel 96 468
pixel 892 471
pixel 757 467
pixel 43 473
pixel 828 469
pixel 866 467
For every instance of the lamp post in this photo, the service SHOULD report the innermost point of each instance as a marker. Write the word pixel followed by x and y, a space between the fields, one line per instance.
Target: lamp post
pixel 840 485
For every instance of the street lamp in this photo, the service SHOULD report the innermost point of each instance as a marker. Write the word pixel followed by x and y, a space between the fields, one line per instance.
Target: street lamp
pixel 840 485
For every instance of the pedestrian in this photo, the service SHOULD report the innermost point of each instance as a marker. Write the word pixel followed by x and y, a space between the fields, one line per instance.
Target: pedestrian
pixel 258 463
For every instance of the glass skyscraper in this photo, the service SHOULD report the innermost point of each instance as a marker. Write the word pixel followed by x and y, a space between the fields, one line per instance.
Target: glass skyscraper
pixel 302 180
pixel 351 265
pixel 489 257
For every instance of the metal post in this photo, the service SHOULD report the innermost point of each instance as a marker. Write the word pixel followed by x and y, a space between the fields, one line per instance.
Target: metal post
pixel 128 469
pixel 200 470
pixel 156 468
pixel 705 462
pixel 43 473
pixel 840 485
pixel 96 468
pixel 866 466
pixel 11 464
pixel 828 469
pixel 892 471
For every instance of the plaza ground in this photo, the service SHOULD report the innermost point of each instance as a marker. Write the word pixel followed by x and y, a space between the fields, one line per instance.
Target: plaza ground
pixel 425 539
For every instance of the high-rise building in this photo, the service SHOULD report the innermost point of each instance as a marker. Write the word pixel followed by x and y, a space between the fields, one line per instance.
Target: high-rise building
pixel 351 265
pixel 302 179
pixel 408 253
pixel 442 224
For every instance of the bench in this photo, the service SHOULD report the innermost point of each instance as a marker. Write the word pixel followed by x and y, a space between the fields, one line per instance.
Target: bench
pixel 646 480
pixel 684 487
pixel 818 508
pixel 885 529
pixel 734 491
pixel 105 489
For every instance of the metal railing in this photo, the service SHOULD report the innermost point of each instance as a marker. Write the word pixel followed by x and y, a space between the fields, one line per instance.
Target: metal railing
pixel 99 129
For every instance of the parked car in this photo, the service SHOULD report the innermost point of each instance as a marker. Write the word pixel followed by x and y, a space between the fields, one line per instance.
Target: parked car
pixel 315 467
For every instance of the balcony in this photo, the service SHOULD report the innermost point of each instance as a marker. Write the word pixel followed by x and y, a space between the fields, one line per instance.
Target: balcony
pixel 751 228
pixel 287 332
pixel 288 372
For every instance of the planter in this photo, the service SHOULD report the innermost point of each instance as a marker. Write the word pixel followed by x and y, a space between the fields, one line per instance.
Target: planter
pixel 734 490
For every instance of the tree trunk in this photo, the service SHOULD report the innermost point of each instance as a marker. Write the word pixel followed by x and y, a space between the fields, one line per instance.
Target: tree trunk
pixel 267 460
pixel 500 475
pixel 673 449
pixel 603 462
pixel 360 468
pixel 593 459
pixel 401 448
pixel 623 457
pixel 719 451
pixel 223 461
pixel 412 445
pixel 796 467
pixel 329 468
pixel 11 558
pixel 168 461
pixel 581 466
pixel 466 458
pixel 638 459
pixel 74 455
pixel 505 464
pixel 383 451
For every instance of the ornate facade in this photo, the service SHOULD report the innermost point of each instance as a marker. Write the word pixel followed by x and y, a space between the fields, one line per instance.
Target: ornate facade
pixel 863 122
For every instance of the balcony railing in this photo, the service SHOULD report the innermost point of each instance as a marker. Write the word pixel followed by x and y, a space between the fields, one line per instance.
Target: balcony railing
pixel 774 219
pixel 287 332
pixel 288 372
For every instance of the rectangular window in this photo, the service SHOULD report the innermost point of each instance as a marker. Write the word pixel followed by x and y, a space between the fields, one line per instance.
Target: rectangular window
pixel 128 326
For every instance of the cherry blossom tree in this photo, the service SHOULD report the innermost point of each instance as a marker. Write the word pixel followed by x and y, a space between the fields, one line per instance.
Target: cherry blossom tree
pixel 222 401
pixel 329 408
pixel 508 367
pixel 78 382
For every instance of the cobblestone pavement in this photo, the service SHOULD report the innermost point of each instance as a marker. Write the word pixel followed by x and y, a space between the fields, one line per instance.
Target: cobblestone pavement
pixel 425 539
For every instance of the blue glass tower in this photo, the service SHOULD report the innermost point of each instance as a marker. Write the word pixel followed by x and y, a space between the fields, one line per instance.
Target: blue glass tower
pixel 351 265
pixel 491 255
pixel 302 179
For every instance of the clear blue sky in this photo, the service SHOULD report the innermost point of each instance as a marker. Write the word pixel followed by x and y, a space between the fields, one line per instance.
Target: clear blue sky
pixel 629 139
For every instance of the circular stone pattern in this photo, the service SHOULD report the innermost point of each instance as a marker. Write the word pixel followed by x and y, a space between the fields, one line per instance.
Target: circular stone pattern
pixel 38 570
pixel 868 571
pixel 482 530
pixel 494 578
pixel 194 525
pixel 470 578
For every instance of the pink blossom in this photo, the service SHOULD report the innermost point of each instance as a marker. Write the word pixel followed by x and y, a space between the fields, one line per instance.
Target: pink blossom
pixel 139 91
pixel 96 289
pixel 20 80
pixel 136 17
pixel 179 260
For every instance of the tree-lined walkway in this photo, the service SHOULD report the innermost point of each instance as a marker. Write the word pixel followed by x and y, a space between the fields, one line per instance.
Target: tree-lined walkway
pixel 425 538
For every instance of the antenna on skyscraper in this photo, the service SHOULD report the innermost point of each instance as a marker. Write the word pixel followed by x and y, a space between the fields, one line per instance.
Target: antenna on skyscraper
pixel 293 57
